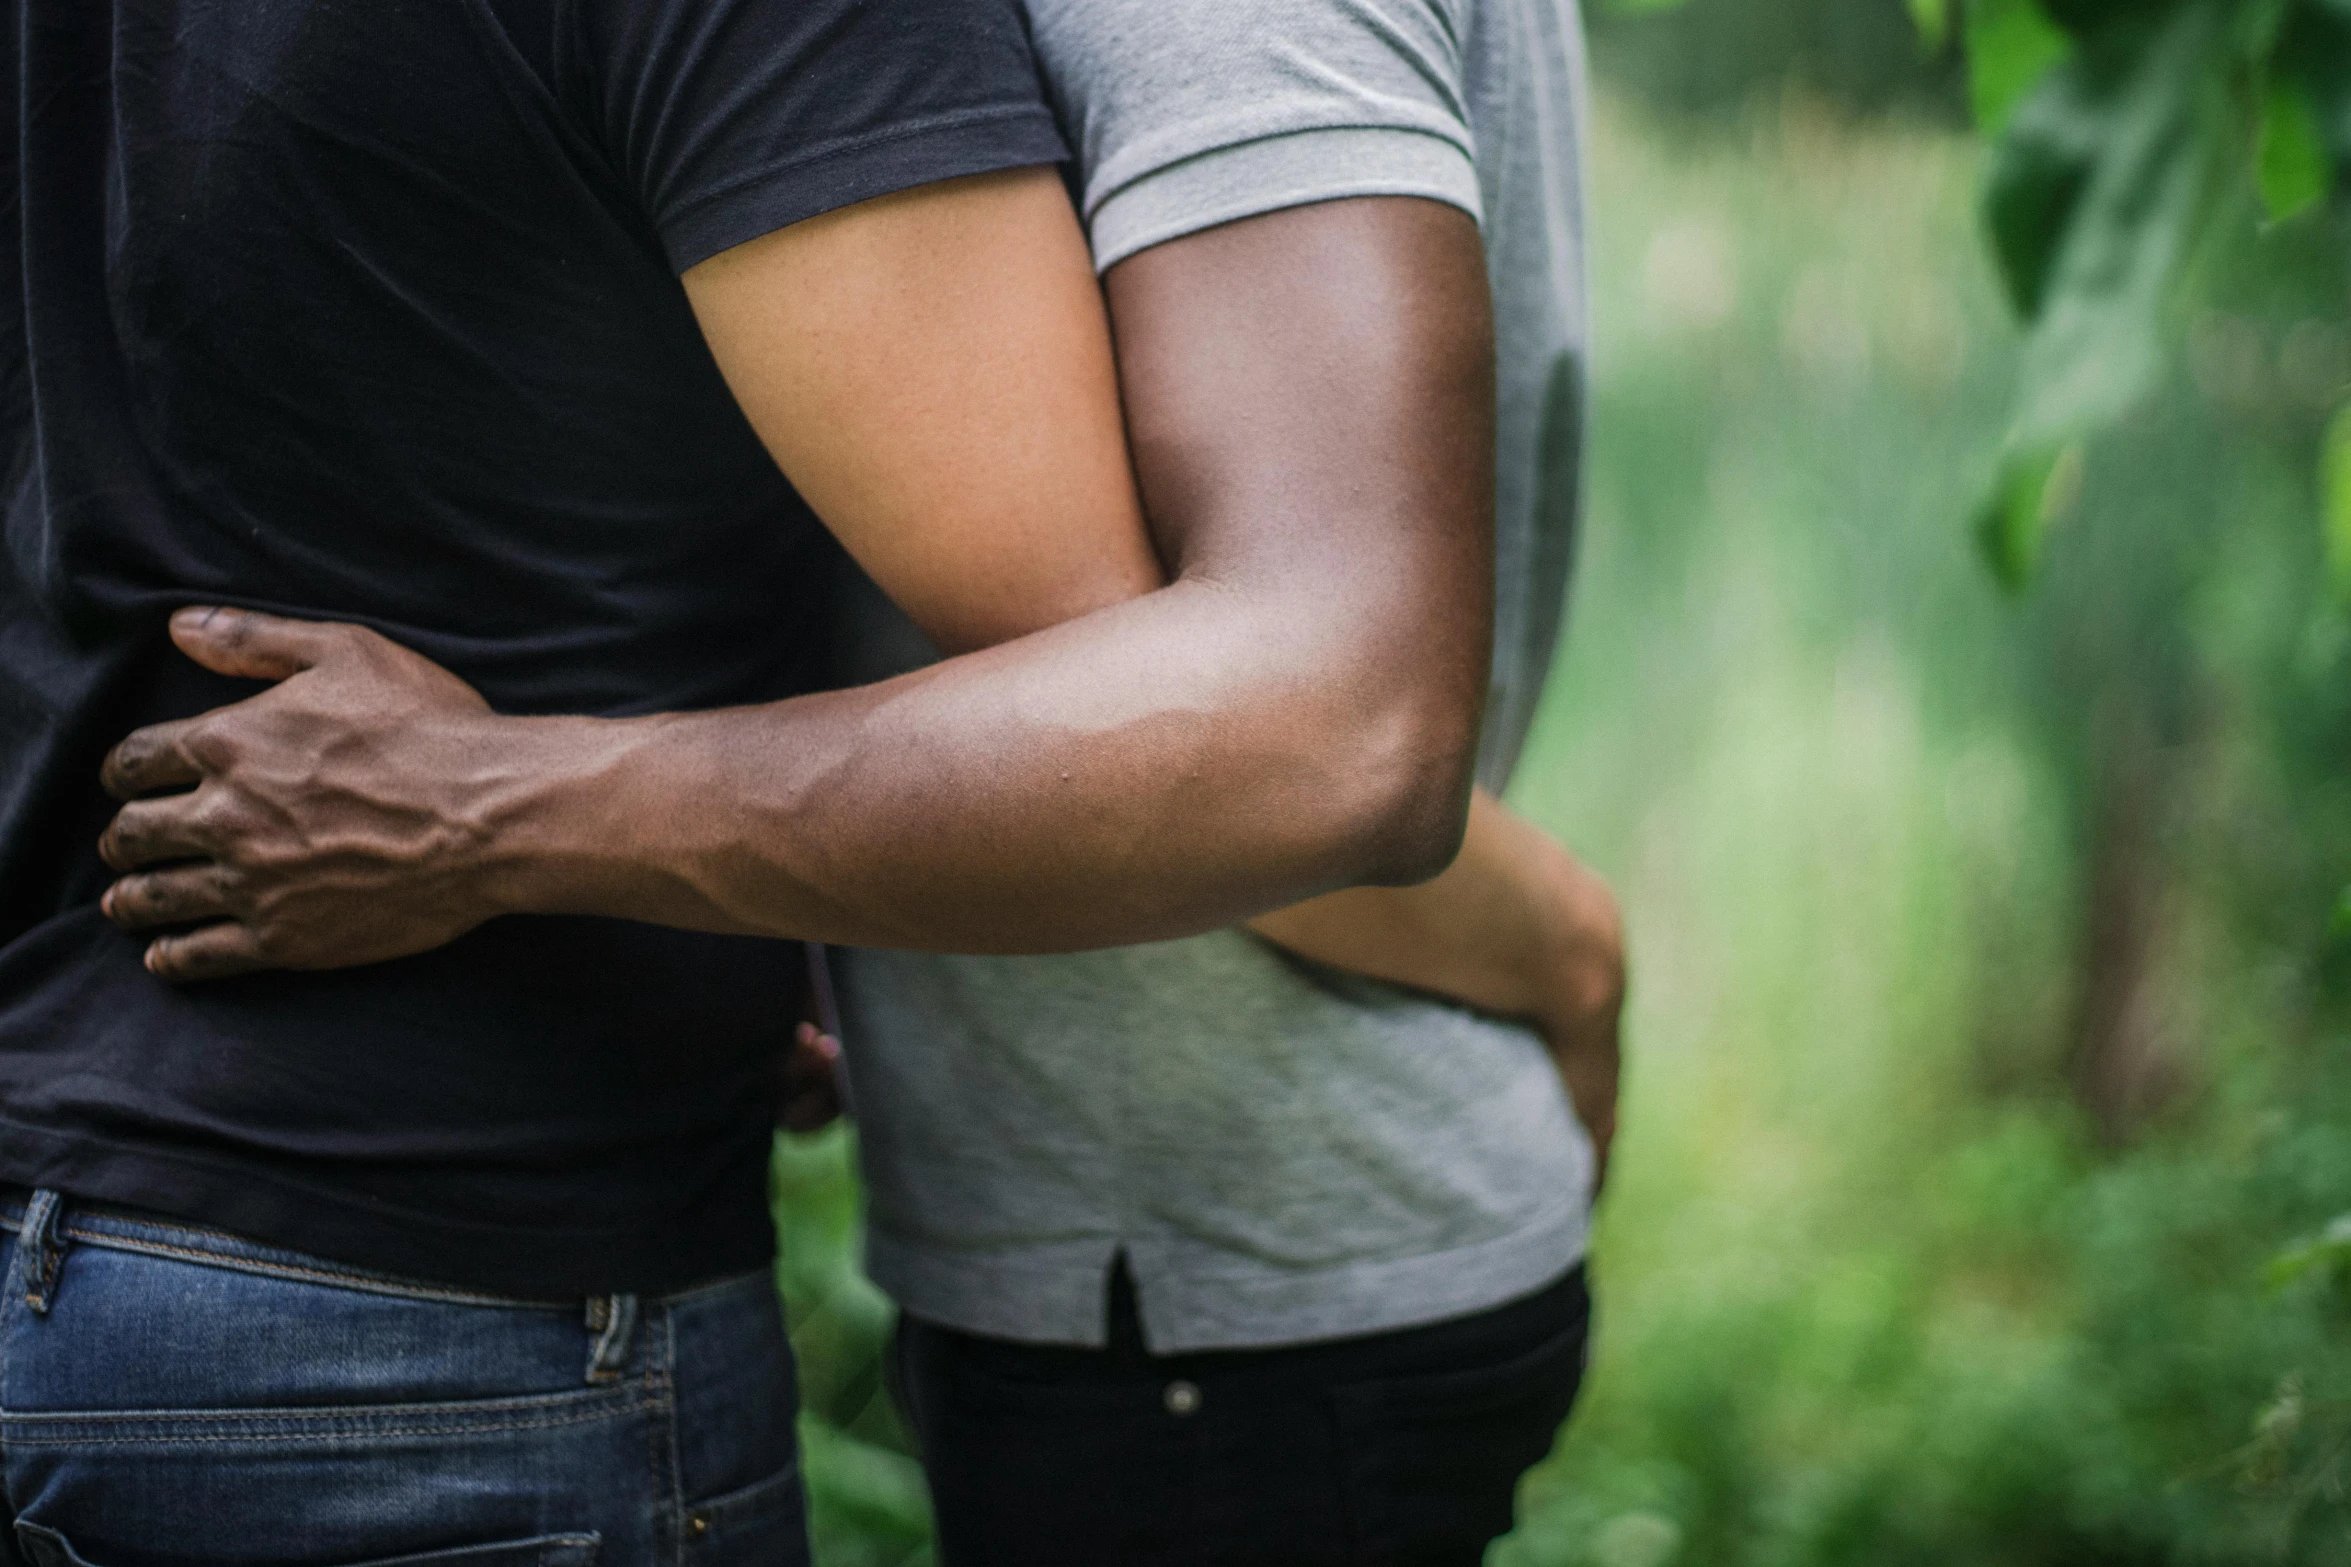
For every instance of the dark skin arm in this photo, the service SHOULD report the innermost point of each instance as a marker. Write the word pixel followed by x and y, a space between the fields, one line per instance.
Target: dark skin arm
pixel 1309 397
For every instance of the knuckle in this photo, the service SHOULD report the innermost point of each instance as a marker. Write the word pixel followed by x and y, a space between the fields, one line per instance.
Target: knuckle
pixel 124 845
pixel 212 747
pixel 138 898
pixel 216 817
pixel 123 763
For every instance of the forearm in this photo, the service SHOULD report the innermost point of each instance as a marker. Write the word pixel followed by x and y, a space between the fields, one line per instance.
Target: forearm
pixel 1515 927
pixel 1164 766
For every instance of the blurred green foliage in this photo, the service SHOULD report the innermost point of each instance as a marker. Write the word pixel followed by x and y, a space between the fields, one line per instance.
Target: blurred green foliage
pixel 2143 150
pixel 1986 1120
pixel 1987 1140
pixel 1704 60
pixel 867 1503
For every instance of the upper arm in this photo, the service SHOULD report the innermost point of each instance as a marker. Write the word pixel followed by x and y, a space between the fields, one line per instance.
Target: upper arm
pixel 1310 397
pixel 1303 315
pixel 933 372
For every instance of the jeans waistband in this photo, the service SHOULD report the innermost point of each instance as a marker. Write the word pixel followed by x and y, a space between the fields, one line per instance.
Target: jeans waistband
pixel 129 1230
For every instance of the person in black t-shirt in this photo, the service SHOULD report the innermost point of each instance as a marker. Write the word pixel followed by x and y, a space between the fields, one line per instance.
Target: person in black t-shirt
pixel 372 312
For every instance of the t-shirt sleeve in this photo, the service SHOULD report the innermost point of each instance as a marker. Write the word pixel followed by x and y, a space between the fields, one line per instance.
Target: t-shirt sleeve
pixel 732 118
pixel 1197 113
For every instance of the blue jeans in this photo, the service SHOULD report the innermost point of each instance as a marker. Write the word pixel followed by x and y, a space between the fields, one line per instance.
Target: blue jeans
pixel 171 1397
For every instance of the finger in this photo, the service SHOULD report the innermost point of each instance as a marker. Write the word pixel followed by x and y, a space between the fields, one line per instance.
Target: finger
pixel 149 761
pixel 147 832
pixel 812 1086
pixel 174 897
pixel 213 952
pixel 252 646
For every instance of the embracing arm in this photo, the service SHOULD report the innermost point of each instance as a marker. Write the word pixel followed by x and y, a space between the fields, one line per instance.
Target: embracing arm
pixel 1293 712
pixel 1516 926
pixel 1309 396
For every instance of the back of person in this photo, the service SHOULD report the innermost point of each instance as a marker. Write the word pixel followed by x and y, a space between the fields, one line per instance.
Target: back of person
pixel 1209 1146
pixel 371 313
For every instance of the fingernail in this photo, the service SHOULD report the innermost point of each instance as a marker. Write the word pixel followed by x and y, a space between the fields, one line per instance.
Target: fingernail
pixel 828 1047
pixel 106 903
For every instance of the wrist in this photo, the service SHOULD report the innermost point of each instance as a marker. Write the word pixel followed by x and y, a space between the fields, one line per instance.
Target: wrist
pixel 1585 977
pixel 552 833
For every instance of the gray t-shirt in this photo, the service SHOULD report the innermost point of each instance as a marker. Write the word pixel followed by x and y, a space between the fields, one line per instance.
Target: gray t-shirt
pixel 1283 1152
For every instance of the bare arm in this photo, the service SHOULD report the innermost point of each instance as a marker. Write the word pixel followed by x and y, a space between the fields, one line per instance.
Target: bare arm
pixel 1309 396
pixel 1515 926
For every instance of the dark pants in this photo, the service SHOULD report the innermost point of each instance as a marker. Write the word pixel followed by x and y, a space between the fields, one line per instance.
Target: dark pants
pixel 1397 1448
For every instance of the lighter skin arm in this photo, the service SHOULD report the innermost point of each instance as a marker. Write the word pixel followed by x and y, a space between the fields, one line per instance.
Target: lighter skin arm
pixel 1516 926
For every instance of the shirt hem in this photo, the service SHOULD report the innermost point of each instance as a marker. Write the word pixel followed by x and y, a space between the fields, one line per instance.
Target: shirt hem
pixel 1192 139
pixel 535 1261
pixel 1056 1293
pixel 1274 173
pixel 780 194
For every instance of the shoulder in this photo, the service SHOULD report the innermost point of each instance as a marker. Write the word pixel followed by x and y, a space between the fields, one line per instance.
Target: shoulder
pixel 1188 113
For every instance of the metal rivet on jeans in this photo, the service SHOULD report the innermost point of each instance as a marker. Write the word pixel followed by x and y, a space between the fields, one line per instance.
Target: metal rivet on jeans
pixel 697 1524
pixel 1182 1398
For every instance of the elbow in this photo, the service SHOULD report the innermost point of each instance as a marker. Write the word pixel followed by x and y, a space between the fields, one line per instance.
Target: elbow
pixel 1406 810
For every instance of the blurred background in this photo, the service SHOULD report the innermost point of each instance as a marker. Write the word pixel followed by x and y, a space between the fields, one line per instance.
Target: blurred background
pixel 1986 1102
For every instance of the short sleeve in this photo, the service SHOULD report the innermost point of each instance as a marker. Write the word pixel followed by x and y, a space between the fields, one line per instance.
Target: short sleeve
pixel 1190 115
pixel 733 118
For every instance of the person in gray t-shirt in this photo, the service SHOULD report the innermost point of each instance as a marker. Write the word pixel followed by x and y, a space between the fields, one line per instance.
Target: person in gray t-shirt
pixel 1195 1167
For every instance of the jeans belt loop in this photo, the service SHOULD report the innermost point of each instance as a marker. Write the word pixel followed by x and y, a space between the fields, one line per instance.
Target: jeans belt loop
pixel 613 1319
pixel 43 1243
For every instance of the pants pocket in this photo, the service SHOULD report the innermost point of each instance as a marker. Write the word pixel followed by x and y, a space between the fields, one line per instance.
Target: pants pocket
pixel 765 1524
pixel 44 1547
pixel 1431 1462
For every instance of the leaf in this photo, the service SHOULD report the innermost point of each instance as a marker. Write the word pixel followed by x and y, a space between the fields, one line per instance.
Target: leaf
pixel 2339 924
pixel 2087 18
pixel 2290 158
pixel 1932 18
pixel 2096 193
pixel 2314 53
pixel 2011 45
pixel 2036 491
pixel 2039 170
pixel 2098 337
pixel 2330 1247
pixel 2334 498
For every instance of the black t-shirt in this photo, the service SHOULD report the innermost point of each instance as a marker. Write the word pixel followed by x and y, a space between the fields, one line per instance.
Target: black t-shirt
pixel 368 310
